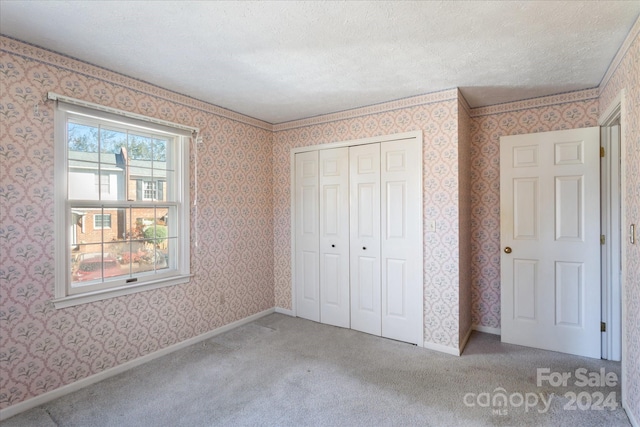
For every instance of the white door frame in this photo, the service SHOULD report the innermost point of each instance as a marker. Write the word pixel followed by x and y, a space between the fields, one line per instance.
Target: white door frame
pixel 610 228
pixel 292 178
pixel 614 111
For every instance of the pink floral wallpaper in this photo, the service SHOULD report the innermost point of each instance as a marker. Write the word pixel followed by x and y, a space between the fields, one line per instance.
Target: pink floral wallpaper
pixel 42 348
pixel 624 73
pixel 242 261
pixel 437 116
pixel 575 110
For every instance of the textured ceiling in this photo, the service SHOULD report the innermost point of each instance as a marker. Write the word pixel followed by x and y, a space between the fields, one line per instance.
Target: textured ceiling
pixel 281 61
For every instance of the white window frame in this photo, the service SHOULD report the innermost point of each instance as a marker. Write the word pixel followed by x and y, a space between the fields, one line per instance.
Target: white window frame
pixel 95 223
pixel 154 184
pixel 64 296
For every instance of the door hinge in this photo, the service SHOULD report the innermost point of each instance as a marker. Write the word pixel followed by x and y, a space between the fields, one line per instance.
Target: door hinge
pixel 602 239
pixel 601 151
pixel 603 327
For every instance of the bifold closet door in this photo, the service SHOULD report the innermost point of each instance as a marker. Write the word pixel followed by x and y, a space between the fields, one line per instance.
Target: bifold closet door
pixel 364 184
pixel 307 257
pixel 334 237
pixel 401 240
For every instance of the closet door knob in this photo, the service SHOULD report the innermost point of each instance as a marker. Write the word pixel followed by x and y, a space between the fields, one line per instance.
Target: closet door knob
pixel 364 248
pixel 333 246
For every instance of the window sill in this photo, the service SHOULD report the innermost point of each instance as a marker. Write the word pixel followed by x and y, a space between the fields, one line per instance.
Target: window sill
pixel 88 297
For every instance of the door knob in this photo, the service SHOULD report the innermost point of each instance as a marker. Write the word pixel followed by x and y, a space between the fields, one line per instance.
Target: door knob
pixel 507 250
pixel 364 248
pixel 333 246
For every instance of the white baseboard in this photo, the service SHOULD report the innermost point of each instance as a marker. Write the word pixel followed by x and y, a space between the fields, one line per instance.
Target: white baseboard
pixel 632 419
pixel 486 329
pixel 285 311
pixel 463 344
pixel 75 386
pixel 442 348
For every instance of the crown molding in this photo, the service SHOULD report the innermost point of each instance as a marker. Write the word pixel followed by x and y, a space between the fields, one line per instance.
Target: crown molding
pixel 58 60
pixel 398 104
pixel 617 59
pixel 543 101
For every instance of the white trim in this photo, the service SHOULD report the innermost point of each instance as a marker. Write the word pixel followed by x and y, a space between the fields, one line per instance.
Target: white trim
pixel 64 294
pixel 95 227
pixel 613 110
pixel 285 311
pixel 292 225
pixel 57 97
pixel 632 419
pixel 417 134
pixel 465 340
pixel 87 297
pixel 399 104
pixel 609 113
pixel 442 348
pixel 486 329
pixel 13 410
pixel 620 54
pixel 611 250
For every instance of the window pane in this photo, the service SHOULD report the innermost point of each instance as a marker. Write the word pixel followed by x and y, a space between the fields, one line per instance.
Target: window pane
pixel 123 252
pixel 82 179
pixel 96 267
pixel 152 257
pixel 138 177
pixel 112 142
pixel 160 150
pixel 82 139
pixel 83 263
pixel 87 166
pixel 140 148
pixel 115 162
pixel 168 182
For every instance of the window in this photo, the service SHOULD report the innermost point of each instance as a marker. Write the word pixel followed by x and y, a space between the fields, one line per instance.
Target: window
pixel 101 221
pixel 130 176
pixel 150 191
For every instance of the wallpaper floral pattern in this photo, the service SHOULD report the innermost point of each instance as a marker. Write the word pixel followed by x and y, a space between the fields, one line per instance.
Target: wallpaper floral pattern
pixel 42 348
pixel 486 131
pixel 437 117
pixel 240 229
pixel 626 75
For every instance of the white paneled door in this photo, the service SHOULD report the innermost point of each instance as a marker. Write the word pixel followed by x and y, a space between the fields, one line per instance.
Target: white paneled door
pixel 364 182
pixel 307 257
pixel 334 237
pixel 550 238
pixel 401 240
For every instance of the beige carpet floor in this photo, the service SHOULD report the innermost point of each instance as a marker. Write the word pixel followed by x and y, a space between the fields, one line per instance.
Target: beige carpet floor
pixel 283 371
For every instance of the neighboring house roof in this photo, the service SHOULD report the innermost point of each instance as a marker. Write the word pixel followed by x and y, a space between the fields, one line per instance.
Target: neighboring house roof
pixel 115 162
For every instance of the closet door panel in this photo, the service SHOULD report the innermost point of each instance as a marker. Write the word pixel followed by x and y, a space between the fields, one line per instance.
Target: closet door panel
pixel 307 236
pixel 401 240
pixel 364 183
pixel 334 237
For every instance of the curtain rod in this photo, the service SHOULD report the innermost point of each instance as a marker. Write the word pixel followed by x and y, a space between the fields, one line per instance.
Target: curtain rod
pixel 57 97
